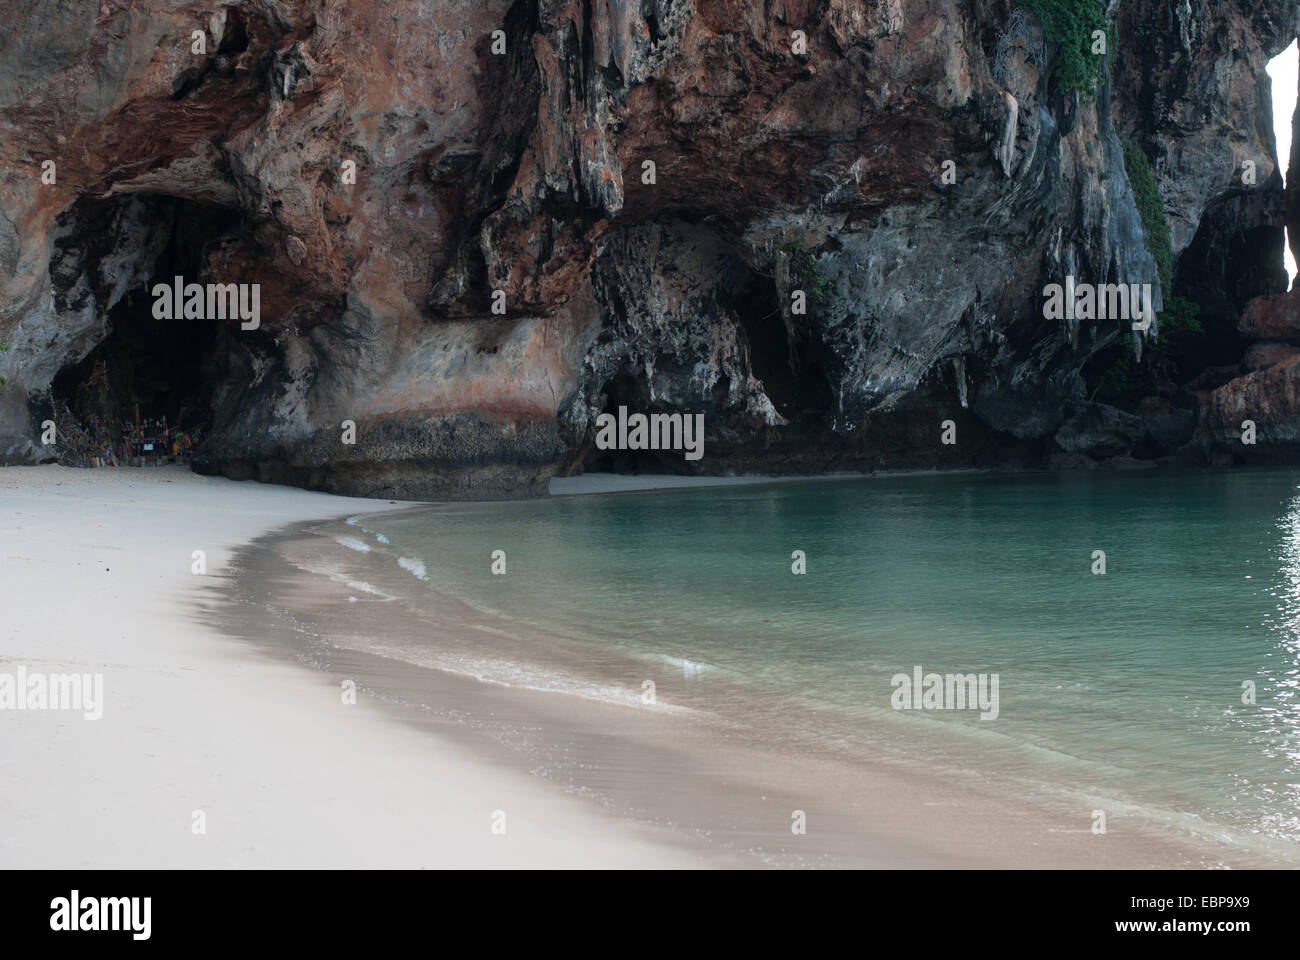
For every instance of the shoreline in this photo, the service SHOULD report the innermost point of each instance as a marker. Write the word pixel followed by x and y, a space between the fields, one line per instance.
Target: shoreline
pixel 599 484
pixel 683 769
pixel 412 773
pixel 97 567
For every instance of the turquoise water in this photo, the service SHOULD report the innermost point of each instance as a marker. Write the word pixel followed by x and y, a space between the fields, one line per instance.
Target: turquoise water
pixel 1124 687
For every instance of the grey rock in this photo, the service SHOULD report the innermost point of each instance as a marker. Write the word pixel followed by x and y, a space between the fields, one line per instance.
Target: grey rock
pixel 1100 431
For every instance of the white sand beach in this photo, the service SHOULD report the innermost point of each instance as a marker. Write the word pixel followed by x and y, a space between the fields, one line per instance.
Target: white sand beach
pixel 96 574
pixel 95 568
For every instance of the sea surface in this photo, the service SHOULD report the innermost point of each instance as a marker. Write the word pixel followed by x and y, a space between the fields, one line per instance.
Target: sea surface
pixel 1166 688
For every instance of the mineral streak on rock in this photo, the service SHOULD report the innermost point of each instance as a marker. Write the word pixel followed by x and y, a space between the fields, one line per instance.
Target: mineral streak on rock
pixel 524 172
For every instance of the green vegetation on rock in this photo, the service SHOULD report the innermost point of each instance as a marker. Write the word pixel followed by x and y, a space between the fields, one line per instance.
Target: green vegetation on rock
pixel 1179 320
pixel 1070 25
pixel 1113 384
pixel 806 274
pixel 1151 205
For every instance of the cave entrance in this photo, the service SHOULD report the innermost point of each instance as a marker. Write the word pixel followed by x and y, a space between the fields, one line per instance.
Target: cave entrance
pixel 625 390
pixel 144 392
pixel 785 351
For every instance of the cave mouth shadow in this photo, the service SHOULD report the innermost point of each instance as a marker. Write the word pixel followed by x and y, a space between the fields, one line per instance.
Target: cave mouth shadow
pixel 626 390
pixel 785 352
pixel 145 370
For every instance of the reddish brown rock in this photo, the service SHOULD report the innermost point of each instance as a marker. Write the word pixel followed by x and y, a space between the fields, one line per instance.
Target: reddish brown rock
pixel 1270 399
pixel 387 178
pixel 1272 318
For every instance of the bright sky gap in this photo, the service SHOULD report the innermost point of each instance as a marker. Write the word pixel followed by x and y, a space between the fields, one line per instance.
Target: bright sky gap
pixel 1283 69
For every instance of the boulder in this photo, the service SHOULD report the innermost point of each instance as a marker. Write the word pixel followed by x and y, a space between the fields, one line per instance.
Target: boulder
pixel 1169 427
pixel 1272 318
pixel 1270 399
pixel 1100 431
pixel 1269 353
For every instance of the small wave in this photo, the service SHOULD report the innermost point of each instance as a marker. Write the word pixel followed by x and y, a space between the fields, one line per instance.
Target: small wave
pixel 526 676
pixel 352 543
pixel 689 668
pixel 413 566
pixel 356 522
pixel 322 566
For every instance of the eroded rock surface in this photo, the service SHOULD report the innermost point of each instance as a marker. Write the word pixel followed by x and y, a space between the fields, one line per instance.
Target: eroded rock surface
pixel 525 173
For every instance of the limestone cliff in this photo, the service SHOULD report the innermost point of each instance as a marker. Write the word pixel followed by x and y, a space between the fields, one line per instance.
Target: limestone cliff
pixel 475 225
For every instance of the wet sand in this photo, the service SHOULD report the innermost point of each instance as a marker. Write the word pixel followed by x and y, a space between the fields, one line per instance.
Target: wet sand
pixel 684 764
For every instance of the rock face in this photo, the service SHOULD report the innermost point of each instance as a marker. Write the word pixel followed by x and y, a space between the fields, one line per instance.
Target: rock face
pixel 1272 318
pixel 1256 418
pixel 475 225
pixel 1099 431
pixel 1265 354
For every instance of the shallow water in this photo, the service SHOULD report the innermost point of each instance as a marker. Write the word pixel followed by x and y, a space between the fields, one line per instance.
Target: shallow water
pixel 1122 691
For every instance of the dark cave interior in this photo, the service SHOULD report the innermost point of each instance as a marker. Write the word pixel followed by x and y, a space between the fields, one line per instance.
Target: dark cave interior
pixel 145 367
pixel 784 354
